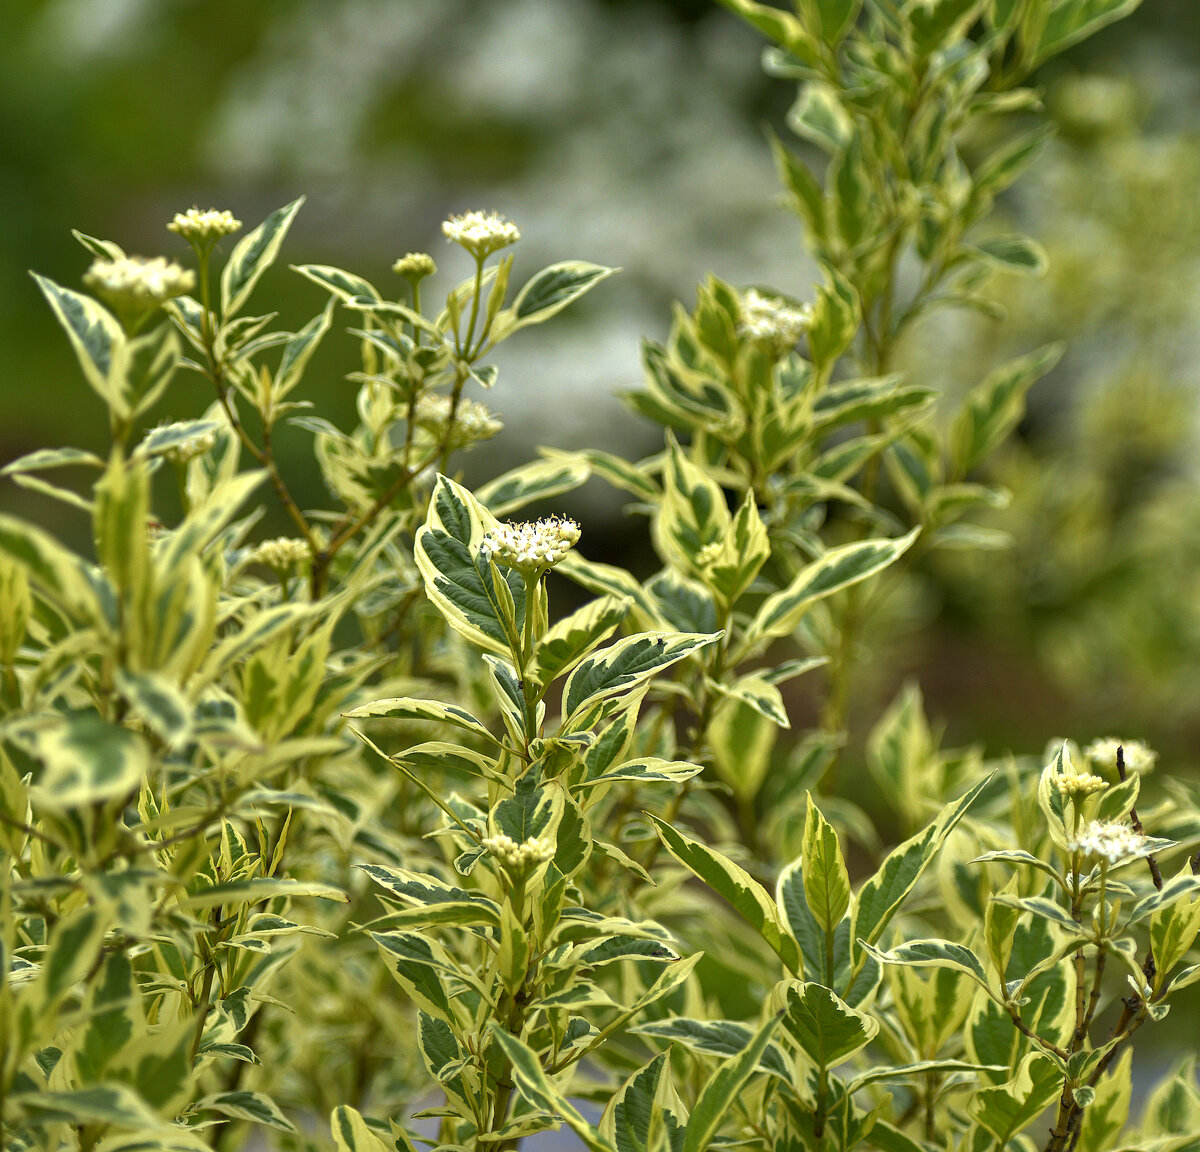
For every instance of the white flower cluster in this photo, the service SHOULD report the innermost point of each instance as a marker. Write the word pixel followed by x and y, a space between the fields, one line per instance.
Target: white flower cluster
pixel 1138 757
pixel 133 284
pixel 281 554
pixel 415 265
pixel 481 233
pixel 1110 840
pixel 532 545
pixel 190 447
pixel 472 421
pixel 204 229
pixel 768 321
pixel 519 857
pixel 1079 784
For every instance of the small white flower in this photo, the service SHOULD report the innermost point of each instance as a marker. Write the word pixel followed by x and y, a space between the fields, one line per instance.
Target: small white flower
pixel 134 285
pixel 472 421
pixel 532 545
pixel 204 229
pixel 481 233
pixel 773 322
pixel 1137 756
pixel 1110 840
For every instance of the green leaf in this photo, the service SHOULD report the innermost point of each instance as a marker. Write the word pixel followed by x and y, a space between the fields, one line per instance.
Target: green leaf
pixel 575 635
pixel 808 196
pixel 253 254
pixel 159 703
pixel 716 1038
pixel 351 1134
pixel 719 1093
pixel 1039 906
pixel 1012 254
pixel 735 885
pixel 1108 1113
pixel 423 968
pixel 824 1025
pixel 57 573
pixel 85 761
pixel 536 1087
pixel 819 116
pixel 298 351
pixel 113 1104
pixel 458 581
pixel 935 954
pixel 414 708
pixel 648 769
pixel 744 549
pixel 826 881
pixel 252 1106
pixel 425 891
pixel 96 339
pixel 51 458
pixel 631 661
pixel 995 407
pixel 881 896
pixel 631 1114
pixel 345 286
pixel 530 811
pixel 1008 1108
pixel 758 692
pixel 871 398
pixel 1073 20
pixel 839 568
pixel 785 29
pixel 238 893
pixel 537 481
pixel 836 315
pixel 1003 167
pixel 549 291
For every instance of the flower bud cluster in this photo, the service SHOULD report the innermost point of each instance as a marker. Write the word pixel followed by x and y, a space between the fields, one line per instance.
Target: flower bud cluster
pixel 1080 784
pixel 1138 757
pixel 533 545
pixel 1110 840
pixel 281 554
pixel 134 285
pixel 518 858
pixel 481 233
pixel 773 322
pixel 415 266
pixel 203 229
pixel 472 421
pixel 192 446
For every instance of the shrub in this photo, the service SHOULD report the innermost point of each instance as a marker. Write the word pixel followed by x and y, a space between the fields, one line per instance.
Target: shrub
pixel 490 815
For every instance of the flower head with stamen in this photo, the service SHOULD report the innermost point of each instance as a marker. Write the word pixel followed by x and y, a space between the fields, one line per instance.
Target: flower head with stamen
pixel 772 322
pixel 1137 756
pixel 135 286
pixel 481 233
pixel 532 546
pixel 1111 840
pixel 202 229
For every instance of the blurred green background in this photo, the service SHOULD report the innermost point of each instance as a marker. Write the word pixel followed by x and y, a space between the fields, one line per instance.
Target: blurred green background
pixel 630 132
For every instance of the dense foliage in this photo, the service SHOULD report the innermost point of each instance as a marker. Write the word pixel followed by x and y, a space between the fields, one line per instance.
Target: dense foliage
pixel 355 823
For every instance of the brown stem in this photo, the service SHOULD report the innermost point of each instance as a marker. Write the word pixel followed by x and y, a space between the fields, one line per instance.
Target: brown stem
pixel 1155 874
